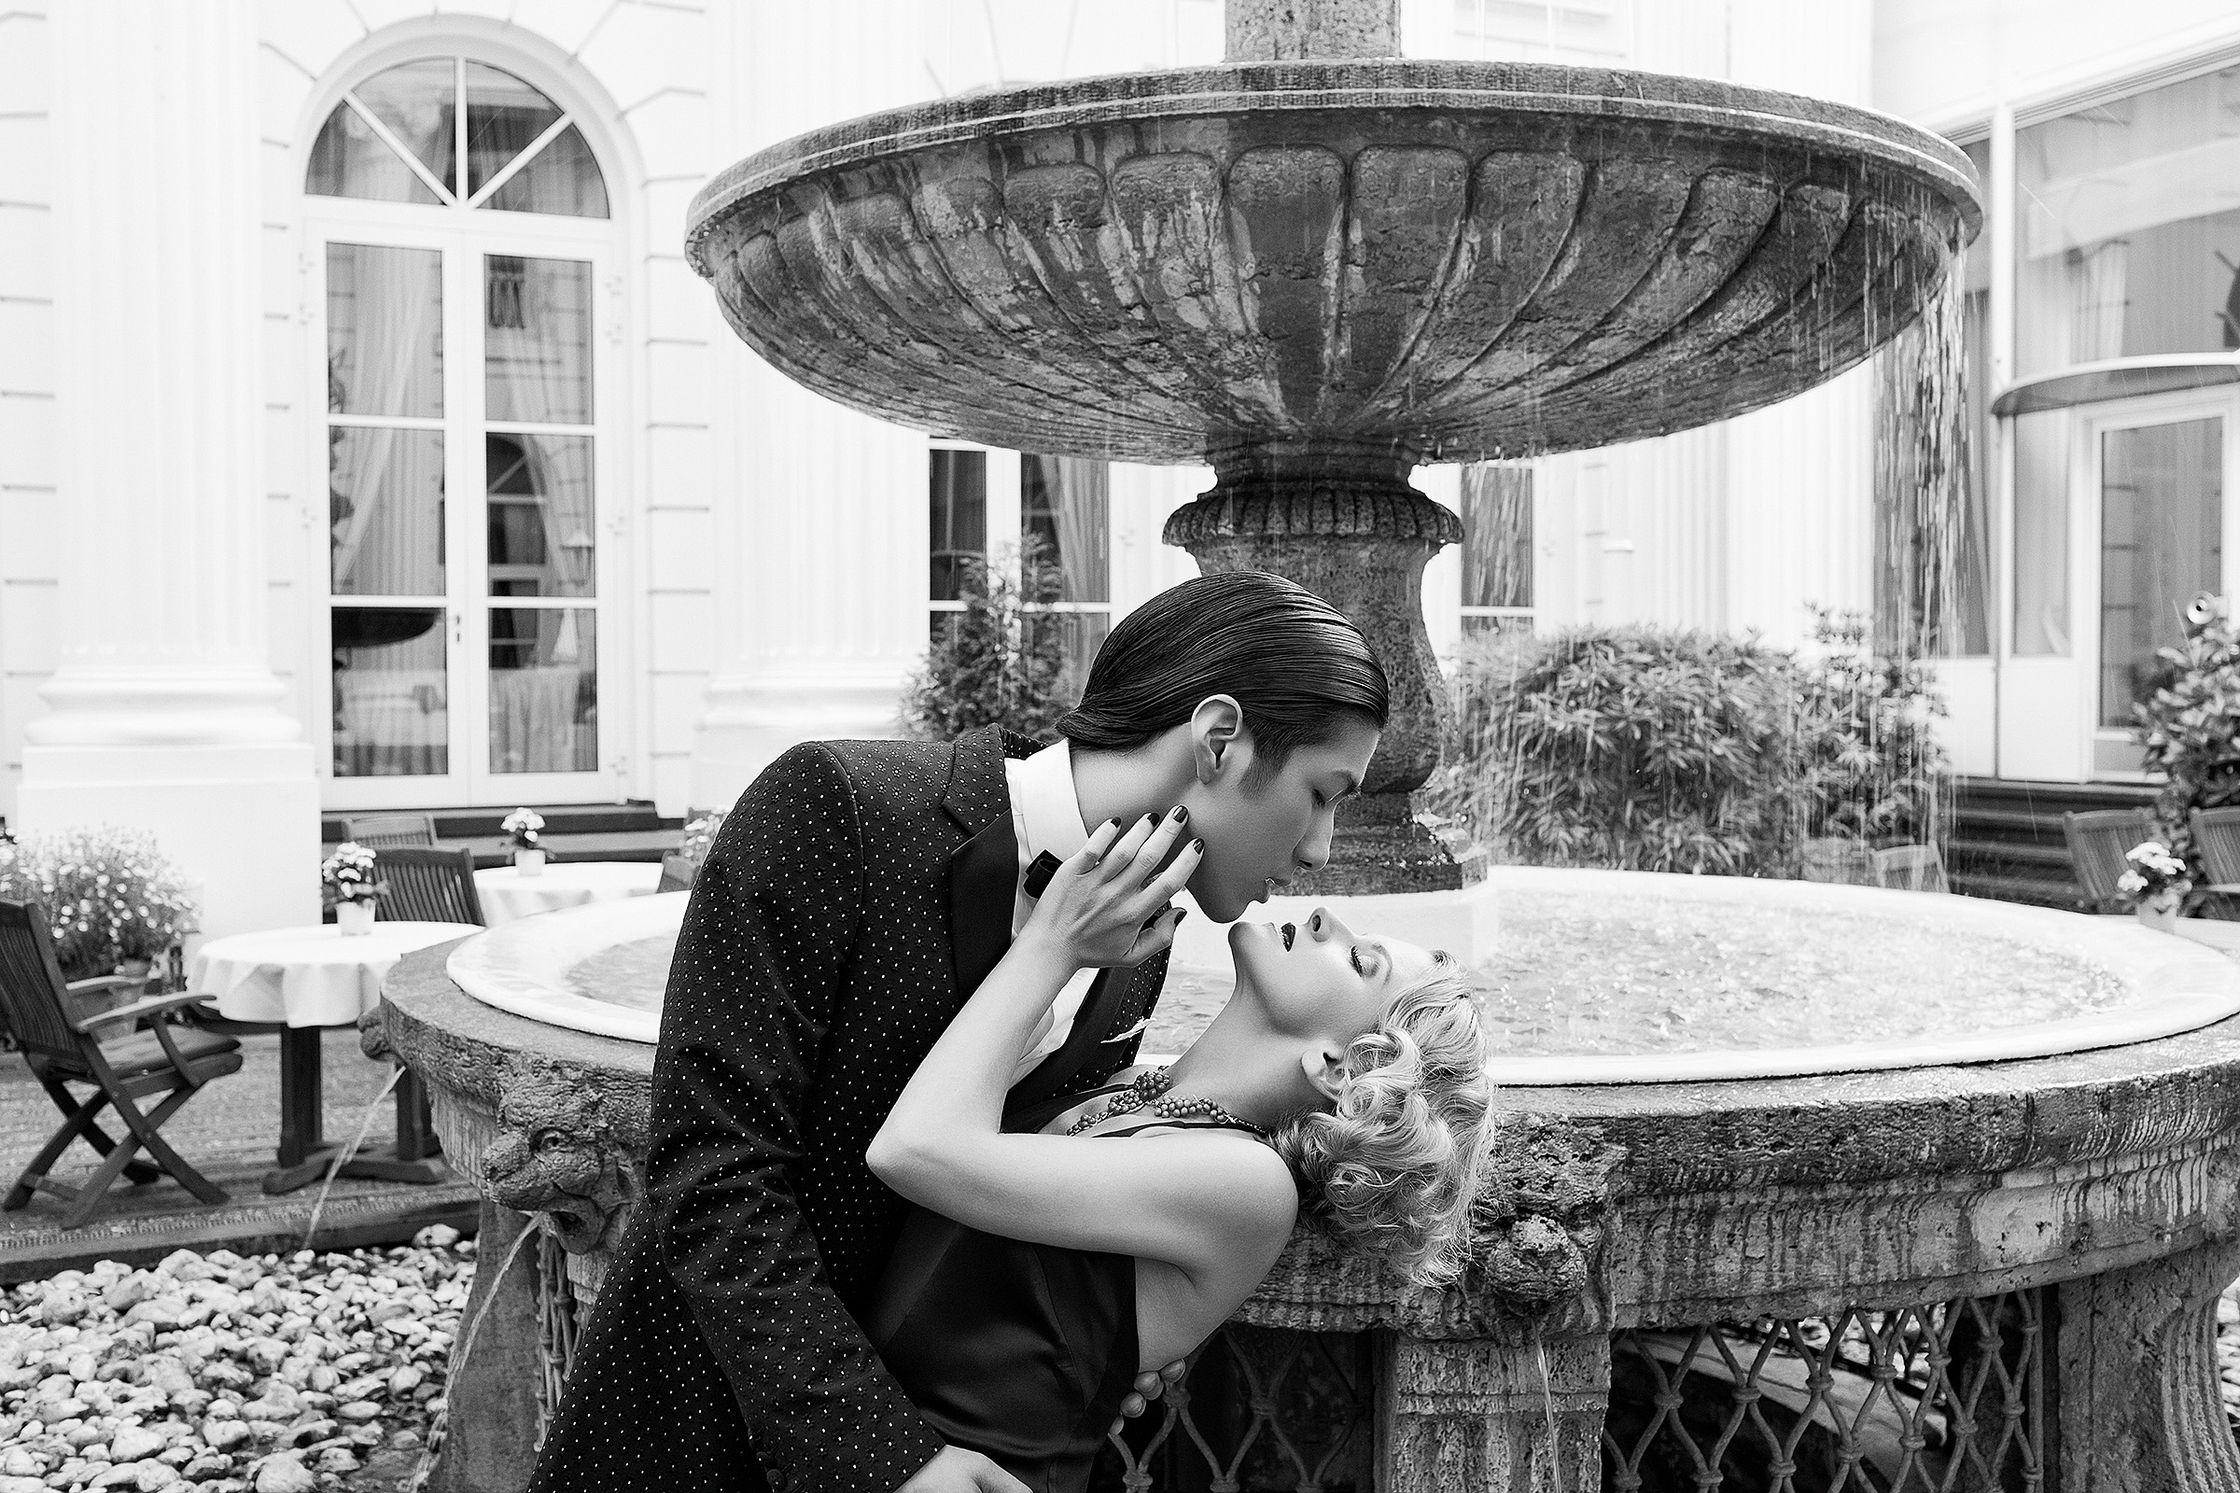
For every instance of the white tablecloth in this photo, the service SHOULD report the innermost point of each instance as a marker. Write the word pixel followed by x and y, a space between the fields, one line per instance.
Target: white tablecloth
pixel 308 976
pixel 507 894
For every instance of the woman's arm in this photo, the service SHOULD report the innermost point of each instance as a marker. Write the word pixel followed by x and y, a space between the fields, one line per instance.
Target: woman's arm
pixel 1190 1200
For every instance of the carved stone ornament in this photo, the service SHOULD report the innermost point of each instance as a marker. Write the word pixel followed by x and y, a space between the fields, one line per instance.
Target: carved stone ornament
pixel 557 1154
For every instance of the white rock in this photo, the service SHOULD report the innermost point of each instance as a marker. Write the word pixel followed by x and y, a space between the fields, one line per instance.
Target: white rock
pixel 224 1435
pixel 123 1295
pixel 285 1473
pixel 61 1307
pixel 222 1409
pixel 10 1484
pixel 18 1461
pixel 436 1236
pixel 337 1460
pixel 208 1467
pixel 359 1410
pixel 134 1443
pixel 405 1380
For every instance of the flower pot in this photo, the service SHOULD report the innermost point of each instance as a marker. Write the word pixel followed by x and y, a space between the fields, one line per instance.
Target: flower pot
pixel 529 862
pixel 2160 914
pixel 136 969
pixel 354 917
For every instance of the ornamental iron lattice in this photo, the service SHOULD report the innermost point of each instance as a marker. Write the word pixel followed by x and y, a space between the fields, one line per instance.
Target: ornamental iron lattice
pixel 558 1326
pixel 1938 1396
pixel 1262 1410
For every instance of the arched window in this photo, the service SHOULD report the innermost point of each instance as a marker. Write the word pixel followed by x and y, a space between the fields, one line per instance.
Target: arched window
pixel 464 229
pixel 400 136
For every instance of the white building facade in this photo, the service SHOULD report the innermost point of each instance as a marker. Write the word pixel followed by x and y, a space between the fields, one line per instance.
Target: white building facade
pixel 365 440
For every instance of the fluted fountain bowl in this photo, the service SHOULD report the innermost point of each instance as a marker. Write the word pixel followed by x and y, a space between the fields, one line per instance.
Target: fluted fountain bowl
pixel 1452 260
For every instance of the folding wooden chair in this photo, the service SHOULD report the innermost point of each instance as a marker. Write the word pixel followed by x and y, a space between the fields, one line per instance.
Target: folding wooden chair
pixel 426 885
pixel 2098 841
pixel 106 1050
pixel 385 831
pixel 2216 839
pixel 1911 868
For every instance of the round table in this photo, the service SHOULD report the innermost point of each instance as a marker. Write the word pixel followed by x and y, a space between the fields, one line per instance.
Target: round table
pixel 507 894
pixel 304 980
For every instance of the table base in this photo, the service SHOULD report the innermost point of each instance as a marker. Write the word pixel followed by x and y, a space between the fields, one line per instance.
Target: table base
pixel 305 1153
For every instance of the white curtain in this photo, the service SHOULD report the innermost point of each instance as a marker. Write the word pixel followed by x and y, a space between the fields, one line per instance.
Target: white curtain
pixel 2097 280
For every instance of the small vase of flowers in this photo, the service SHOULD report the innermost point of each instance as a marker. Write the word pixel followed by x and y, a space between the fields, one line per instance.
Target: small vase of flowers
pixel 522 828
pixel 2155 883
pixel 346 881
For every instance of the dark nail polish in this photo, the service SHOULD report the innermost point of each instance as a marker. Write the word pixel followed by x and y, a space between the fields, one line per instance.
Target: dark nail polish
pixel 1199 846
pixel 1180 815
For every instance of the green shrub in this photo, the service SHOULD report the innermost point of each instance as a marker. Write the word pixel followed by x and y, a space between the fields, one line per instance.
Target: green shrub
pixel 2189 728
pixel 1639 748
pixel 999 661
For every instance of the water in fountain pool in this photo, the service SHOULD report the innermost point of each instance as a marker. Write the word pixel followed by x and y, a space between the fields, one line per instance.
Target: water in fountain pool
pixel 629 974
pixel 1654 974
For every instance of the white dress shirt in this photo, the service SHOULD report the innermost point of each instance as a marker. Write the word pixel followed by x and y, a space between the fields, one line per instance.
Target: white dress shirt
pixel 1046 816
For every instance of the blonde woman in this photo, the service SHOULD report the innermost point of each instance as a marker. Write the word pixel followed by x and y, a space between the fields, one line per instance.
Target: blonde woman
pixel 1043 1272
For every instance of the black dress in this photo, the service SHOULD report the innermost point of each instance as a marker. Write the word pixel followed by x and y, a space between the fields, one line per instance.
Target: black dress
pixel 1022 1352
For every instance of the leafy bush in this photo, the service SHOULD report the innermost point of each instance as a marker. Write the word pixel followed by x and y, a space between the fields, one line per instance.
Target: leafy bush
pixel 1650 749
pixel 108 893
pixel 1000 661
pixel 2189 727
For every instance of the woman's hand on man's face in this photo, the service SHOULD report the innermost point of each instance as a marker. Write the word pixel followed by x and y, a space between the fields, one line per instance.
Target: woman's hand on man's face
pixel 1107 903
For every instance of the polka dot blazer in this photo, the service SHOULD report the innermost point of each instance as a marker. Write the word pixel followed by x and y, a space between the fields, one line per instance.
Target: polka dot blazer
pixel 855 895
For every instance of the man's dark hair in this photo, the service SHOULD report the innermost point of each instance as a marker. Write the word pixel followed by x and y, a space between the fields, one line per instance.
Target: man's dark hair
pixel 1289 658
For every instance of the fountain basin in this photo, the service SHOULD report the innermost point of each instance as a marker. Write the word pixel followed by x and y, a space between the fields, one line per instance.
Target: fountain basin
pixel 1591 977
pixel 1443 259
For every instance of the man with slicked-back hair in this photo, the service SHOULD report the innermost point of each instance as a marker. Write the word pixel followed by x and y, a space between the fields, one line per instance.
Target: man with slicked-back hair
pixel 855 897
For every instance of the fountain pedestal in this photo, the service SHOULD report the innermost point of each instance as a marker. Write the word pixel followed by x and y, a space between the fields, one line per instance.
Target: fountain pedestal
pixel 1345 524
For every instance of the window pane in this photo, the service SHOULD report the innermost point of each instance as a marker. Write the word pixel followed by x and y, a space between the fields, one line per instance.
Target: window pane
pixel 1973 603
pixel 419 104
pixel 350 160
pixel 1083 633
pixel 544 690
pixel 384 331
pixel 563 178
pixel 391 712
pixel 2161 545
pixel 1496 535
pixel 537 339
pixel 958 518
pixel 385 511
pixel 504 114
pixel 2128 235
pixel 2041 535
pixel 540 515
pixel 1064 504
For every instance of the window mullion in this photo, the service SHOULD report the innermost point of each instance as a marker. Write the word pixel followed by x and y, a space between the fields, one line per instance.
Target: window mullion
pixel 410 157
pixel 513 167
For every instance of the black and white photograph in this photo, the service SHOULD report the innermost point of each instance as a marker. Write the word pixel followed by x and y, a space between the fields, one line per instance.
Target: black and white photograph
pixel 1119 746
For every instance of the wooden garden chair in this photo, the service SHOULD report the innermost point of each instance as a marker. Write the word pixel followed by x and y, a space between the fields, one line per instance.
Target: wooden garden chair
pixel 2098 841
pixel 677 872
pixel 109 1052
pixel 1911 868
pixel 385 831
pixel 426 885
pixel 2216 839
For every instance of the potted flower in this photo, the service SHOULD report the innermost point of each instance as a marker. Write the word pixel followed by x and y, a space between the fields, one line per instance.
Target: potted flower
pixel 346 881
pixel 522 827
pixel 2154 882
pixel 114 904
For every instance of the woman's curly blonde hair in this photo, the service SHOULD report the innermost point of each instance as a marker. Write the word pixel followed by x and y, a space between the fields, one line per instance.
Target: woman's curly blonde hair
pixel 1392 1166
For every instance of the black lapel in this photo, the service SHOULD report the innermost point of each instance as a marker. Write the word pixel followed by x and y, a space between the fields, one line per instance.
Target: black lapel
pixel 984 870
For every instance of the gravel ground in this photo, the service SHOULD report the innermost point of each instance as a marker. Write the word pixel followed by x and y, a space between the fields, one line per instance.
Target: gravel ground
pixel 223 1374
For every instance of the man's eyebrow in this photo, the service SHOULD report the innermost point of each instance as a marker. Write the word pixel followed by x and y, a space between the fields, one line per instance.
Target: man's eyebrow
pixel 1353 786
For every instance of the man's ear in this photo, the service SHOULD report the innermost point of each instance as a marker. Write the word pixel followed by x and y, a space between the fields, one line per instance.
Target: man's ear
pixel 1216 730
pixel 1325 1067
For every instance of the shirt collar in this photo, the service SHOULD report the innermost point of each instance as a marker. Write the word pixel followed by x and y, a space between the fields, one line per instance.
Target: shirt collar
pixel 1049 809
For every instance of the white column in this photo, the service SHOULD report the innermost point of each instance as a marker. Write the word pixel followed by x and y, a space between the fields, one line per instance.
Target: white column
pixel 164 713
pixel 820 513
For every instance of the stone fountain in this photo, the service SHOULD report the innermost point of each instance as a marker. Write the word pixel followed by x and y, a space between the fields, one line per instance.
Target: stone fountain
pixel 1315 267
pixel 1312 268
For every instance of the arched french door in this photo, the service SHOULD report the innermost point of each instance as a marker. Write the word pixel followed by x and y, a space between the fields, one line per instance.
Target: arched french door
pixel 469 325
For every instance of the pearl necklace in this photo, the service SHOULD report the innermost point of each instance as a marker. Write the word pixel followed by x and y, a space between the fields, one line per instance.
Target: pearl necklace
pixel 1149 1091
